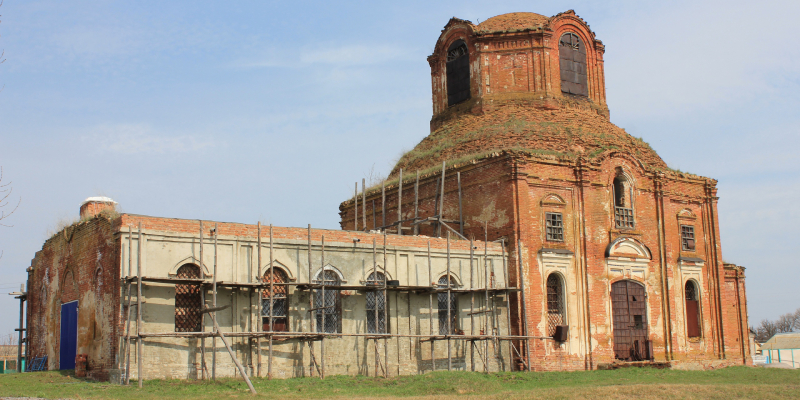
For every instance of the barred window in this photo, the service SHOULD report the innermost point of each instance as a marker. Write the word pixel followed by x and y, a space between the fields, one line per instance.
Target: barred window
pixel 188 299
pixel 687 237
pixel 328 310
pixel 555 303
pixel 279 300
pixel 376 304
pixel 623 202
pixel 555 227
pixel 447 326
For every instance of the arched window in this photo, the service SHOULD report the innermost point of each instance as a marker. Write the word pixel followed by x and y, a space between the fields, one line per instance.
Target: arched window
pixel 623 202
pixel 376 304
pixel 279 300
pixel 328 310
pixel 188 300
pixel 572 56
pixel 457 67
pixel 447 326
pixel 556 314
pixel 692 310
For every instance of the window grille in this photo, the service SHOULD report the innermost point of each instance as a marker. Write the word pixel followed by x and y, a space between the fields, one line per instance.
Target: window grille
pixel 328 310
pixel 188 299
pixel 279 299
pixel 687 237
pixel 376 304
pixel 623 218
pixel 555 303
pixel 447 327
pixel 554 226
pixel 623 202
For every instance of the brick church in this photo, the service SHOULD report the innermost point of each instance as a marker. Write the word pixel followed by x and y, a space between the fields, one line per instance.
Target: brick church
pixel 525 232
pixel 614 244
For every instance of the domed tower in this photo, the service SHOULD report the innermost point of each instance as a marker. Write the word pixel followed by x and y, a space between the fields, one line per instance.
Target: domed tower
pixel 520 81
pixel 604 239
pixel 519 58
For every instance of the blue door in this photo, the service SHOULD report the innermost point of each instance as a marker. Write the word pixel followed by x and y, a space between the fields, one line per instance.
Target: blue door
pixel 69 335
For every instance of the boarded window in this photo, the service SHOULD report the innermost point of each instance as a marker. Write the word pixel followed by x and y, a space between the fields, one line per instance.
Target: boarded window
pixel 328 305
pixel 188 300
pixel 376 304
pixel 278 299
pixel 447 308
pixel 572 56
pixel 692 310
pixel 457 67
pixel 687 237
pixel 554 225
pixel 555 303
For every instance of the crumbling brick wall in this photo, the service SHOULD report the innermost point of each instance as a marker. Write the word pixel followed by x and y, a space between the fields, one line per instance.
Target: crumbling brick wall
pixel 77 263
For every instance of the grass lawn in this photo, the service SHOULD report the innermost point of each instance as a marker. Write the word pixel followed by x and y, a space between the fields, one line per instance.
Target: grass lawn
pixel 640 383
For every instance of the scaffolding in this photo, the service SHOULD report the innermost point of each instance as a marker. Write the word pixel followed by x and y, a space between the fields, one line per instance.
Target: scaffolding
pixel 310 336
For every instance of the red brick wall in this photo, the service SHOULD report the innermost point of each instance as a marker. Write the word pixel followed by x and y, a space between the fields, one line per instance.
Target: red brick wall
pixel 508 191
pixel 78 263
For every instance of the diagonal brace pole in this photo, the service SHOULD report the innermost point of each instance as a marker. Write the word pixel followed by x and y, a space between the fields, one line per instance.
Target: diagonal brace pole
pixel 228 346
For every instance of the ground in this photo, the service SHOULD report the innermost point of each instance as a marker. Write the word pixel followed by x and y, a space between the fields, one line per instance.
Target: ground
pixel 639 383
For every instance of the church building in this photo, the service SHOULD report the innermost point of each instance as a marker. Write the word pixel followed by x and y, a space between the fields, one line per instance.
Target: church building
pixel 525 232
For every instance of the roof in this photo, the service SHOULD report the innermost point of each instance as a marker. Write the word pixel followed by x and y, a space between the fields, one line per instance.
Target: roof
pixel 560 133
pixel 512 22
pixel 789 340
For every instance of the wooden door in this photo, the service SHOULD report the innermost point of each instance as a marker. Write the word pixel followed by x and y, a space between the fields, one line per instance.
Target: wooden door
pixel 629 313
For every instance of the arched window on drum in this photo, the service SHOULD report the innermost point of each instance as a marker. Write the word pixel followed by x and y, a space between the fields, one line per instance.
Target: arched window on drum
pixel 457 68
pixel 572 57
pixel 376 304
pixel 278 299
pixel 188 300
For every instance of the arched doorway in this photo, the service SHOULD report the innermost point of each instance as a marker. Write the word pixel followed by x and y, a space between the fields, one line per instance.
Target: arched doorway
pixel 629 310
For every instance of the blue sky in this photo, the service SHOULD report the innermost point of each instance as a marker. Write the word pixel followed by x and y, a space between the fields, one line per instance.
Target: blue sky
pixel 254 110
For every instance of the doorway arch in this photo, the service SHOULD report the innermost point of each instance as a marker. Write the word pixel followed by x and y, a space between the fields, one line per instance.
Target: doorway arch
pixel 629 313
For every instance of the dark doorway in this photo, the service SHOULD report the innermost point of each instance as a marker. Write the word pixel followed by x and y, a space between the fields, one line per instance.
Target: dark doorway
pixel 629 311
pixel 69 335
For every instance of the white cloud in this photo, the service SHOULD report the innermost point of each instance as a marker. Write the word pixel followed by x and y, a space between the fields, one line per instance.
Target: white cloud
pixel 140 139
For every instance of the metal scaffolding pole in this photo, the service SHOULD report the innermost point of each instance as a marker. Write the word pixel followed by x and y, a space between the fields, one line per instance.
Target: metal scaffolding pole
pixel 214 313
pixel 271 302
pixel 259 306
pixel 139 341
pixel 449 299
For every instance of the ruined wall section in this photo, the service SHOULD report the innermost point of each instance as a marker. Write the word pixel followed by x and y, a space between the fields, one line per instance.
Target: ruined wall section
pixel 78 263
